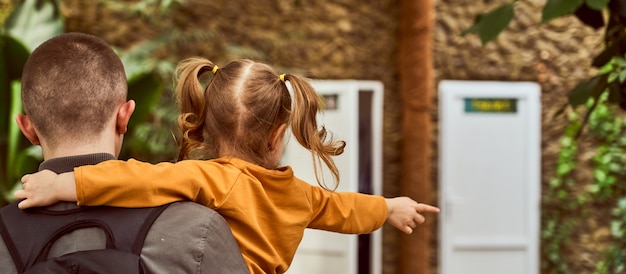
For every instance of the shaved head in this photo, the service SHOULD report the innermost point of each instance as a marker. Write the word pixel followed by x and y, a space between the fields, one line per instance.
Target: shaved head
pixel 71 87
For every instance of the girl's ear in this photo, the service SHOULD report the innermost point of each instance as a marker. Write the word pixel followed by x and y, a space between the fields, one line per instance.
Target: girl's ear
pixel 277 136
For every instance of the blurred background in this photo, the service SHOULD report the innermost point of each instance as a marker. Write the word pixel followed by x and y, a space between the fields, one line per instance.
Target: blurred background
pixel 583 203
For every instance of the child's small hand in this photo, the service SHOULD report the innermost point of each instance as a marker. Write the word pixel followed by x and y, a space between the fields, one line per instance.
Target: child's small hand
pixel 45 188
pixel 404 213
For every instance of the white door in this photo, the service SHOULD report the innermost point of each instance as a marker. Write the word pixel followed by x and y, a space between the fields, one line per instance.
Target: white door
pixel 353 113
pixel 489 177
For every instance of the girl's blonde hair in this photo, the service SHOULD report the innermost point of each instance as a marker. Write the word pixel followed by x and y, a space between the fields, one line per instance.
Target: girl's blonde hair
pixel 241 107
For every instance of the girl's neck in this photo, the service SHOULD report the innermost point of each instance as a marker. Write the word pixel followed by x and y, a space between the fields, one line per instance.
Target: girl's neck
pixel 247 159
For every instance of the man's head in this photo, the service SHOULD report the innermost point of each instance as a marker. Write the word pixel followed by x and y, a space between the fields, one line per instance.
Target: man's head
pixel 73 90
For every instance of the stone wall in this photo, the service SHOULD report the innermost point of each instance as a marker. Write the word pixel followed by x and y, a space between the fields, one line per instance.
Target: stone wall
pixel 346 39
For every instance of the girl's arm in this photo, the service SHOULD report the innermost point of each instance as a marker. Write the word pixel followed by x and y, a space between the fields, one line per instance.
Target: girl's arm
pixel 345 212
pixel 357 213
pixel 134 184
pixel 45 188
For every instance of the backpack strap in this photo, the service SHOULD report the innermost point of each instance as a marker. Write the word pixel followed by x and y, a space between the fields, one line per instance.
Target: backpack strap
pixel 43 254
pixel 145 227
pixel 31 233
pixel 4 232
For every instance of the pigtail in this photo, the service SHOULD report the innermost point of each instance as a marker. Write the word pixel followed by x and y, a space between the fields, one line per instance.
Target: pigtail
pixel 303 121
pixel 191 103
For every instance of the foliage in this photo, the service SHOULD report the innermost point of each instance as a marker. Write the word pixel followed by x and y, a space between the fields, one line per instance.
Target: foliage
pixel 153 139
pixel 565 205
pixel 145 86
pixel 589 12
pixel 489 25
pixel 30 23
pixel 609 161
pixel 33 22
pixel 560 207
pixel 615 261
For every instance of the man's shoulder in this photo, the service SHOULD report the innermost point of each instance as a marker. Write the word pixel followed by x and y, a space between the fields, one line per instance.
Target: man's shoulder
pixel 188 217
pixel 189 236
pixel 188 205
pixel 187 208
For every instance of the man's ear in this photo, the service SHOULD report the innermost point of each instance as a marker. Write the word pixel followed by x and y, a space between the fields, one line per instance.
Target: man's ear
pixel 27 128
pixel 123 116
pixel 277 136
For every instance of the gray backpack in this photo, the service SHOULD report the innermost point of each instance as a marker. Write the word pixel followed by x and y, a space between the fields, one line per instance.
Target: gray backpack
pixel 29 235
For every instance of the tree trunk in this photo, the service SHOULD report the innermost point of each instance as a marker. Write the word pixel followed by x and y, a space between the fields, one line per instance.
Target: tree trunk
pixel 416 86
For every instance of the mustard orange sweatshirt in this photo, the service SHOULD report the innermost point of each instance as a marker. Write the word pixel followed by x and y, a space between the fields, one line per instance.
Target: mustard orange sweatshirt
pixel 267 210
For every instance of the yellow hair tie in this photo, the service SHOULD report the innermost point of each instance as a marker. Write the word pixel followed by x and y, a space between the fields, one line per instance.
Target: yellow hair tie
pixel 282 77
pixel 214 69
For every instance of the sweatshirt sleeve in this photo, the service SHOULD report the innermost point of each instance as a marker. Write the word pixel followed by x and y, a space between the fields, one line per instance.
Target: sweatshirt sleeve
pixel 346 212
pixel 137 184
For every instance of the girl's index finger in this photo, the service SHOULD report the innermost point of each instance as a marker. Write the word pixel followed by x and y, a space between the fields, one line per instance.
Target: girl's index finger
pixel 427 208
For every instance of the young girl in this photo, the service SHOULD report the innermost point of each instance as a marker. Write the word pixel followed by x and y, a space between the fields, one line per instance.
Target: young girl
pixel 239 121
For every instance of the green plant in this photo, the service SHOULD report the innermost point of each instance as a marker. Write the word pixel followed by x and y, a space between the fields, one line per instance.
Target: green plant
pixel 606 189
pixel 590 12
pixel 145 86
pixel 30 23
pixel 560 208
pixel 615 259
pixel 566 202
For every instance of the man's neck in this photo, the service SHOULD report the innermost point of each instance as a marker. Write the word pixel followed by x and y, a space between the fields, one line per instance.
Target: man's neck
pixel 67 164
pixel 68 150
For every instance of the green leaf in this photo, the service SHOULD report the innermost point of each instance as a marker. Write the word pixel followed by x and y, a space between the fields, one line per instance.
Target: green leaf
pixel 608 67
pixel 474 27
pixel 616 229
pixel 566 141
pixel 14 141
pixel 615 93
pixel 146 90
pixel 137 61
pixel 13 56
pixel 558 8
pixel 598 5
pixel 35 21
pixel 555 182
pixel 494 22
pixel 621 204
pixel 563 169
pixel 144 85
pixel 605 56
pixel 622 76
pixel 600 175
pixel 620 62
pixel 588 88
pixel 612 76
pixel 8 195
